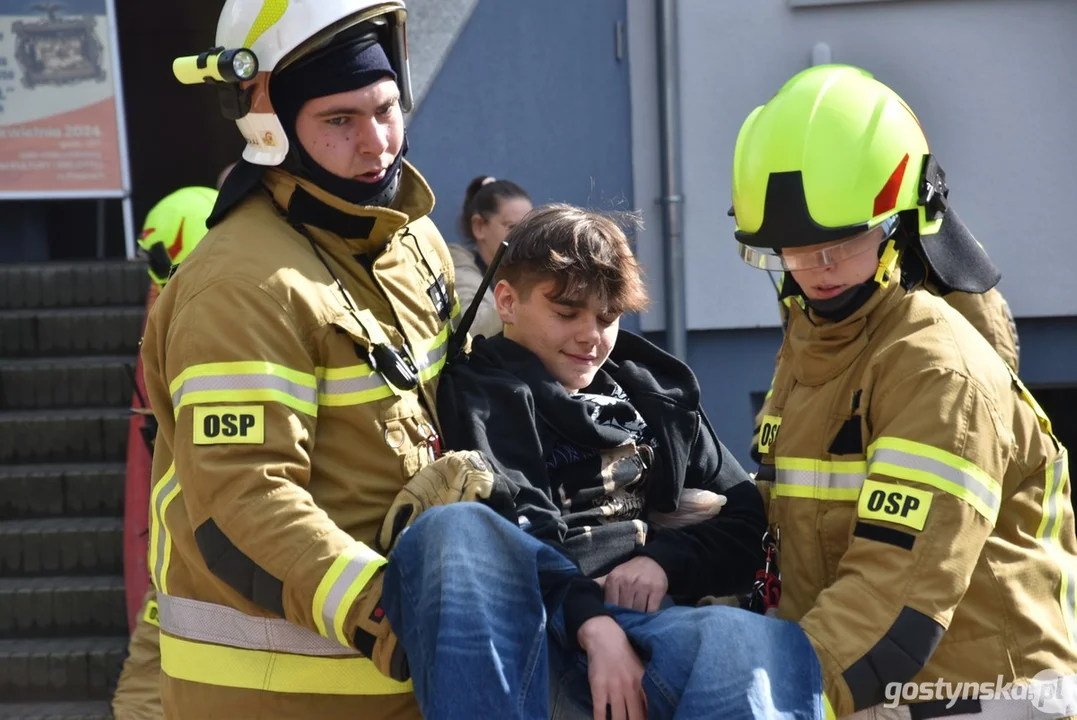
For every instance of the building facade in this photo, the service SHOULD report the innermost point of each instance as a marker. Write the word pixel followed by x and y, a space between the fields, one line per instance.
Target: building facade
pixel 562 96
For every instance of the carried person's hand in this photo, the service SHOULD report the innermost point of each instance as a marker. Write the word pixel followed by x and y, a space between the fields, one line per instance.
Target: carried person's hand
pixel 614 671
pixel 640 584
pixel 458 476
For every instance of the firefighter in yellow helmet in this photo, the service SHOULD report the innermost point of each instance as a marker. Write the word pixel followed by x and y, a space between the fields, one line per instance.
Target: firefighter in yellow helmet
pixel 173 228
pixel 292 365
pixel 920 500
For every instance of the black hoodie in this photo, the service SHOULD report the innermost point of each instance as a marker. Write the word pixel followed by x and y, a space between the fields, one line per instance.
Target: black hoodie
pixel 500 400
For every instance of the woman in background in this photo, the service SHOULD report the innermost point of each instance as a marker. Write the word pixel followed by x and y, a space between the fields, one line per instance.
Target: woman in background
pixel 492 207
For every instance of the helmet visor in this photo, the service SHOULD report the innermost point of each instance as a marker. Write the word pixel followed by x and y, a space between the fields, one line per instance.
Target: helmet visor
pixel 807 258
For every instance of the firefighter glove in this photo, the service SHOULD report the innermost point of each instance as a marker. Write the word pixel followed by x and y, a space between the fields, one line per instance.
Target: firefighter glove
pixel 458 476
pixel 373 636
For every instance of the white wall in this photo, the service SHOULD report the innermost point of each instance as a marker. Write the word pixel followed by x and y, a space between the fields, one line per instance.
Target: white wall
pixel 991 80
pixel 433 27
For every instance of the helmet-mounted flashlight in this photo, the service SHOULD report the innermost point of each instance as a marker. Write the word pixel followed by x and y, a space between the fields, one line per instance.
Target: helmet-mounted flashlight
pixel 217 65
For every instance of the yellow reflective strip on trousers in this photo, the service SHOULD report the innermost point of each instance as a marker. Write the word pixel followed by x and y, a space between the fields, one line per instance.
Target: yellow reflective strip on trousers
pixel 927 465
pixel 1049 533
pixel 160 550
pixel 272 671
pixel 339 587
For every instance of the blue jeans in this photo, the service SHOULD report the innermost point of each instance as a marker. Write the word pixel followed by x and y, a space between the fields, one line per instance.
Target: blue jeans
pixel 469 595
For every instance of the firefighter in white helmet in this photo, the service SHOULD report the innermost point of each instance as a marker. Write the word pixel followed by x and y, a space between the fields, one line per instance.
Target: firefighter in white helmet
pixel 292 363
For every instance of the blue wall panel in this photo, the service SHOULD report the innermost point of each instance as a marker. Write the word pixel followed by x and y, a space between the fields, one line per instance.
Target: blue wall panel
pixel 733 364
pixel 531 92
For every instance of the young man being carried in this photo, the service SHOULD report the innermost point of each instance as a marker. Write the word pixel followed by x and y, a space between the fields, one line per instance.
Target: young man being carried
pixel 609 485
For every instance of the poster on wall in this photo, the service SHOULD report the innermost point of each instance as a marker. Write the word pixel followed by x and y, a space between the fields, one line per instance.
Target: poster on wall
pixel 61 128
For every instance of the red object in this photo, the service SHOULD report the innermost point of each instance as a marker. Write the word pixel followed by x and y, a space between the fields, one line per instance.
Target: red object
pixel 434 441
pixel 767 590
pixel 136 514
pixel 887 198
pixel 769 587
pixel 767 582
pixel 177 245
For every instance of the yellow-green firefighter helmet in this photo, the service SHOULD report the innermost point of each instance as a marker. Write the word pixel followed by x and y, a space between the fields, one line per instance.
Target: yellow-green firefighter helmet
pixel 834 153
pixel 838 161
pixel 174 227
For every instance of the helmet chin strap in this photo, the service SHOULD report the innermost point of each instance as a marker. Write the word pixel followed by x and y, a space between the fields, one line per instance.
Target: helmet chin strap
pixel 888 262
pixel 852 299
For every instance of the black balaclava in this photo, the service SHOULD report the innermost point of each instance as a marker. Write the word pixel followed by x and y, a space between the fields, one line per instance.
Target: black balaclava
pixel 851 299
pixel 351 62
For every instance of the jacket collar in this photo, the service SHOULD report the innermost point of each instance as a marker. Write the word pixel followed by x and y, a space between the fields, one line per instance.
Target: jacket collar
pixel 821 350
pixel 635 364
pixel 363 228
pixel 569 415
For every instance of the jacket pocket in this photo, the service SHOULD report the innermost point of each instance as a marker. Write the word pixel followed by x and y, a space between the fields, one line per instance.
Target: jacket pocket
pixel 398 416
pixel 408 432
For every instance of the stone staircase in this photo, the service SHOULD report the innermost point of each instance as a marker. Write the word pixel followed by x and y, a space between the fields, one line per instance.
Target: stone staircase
pixel 69 337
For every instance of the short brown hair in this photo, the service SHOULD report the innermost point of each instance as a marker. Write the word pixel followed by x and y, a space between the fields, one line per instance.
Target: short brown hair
pixel 585 252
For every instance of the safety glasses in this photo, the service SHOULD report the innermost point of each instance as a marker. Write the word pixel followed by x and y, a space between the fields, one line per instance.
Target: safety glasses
pixel 807 258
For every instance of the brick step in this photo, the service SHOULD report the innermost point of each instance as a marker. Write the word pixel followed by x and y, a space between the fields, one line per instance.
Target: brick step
pixel 43 383
pixel 62 606
pixel 56 711
pixel 75 490
pixel 69 546
pixel 64 436
pixel 60 669
pixel 112 330
pixel 72 284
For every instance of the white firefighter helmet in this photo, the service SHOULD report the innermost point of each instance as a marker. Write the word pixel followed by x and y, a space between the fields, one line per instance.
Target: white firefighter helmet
pixel 279 32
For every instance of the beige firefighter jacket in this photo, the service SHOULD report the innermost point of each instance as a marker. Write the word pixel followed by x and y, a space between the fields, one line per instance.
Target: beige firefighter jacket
pixel 923 506
pixel 988 312
pixel 280 449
